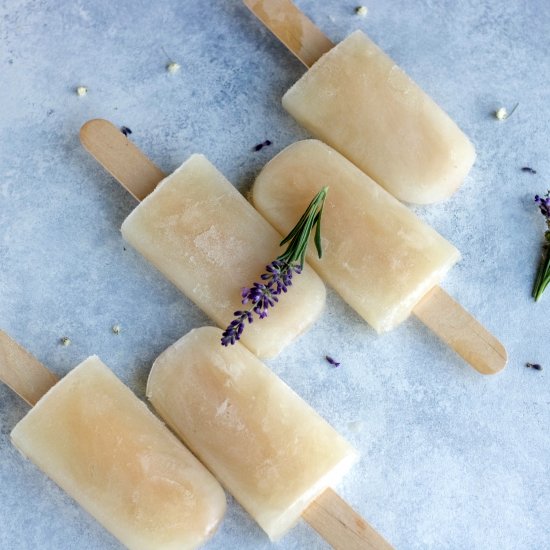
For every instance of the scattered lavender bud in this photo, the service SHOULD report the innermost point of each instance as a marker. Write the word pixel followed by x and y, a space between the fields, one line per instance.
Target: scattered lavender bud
pixel 332 361
pixel 361 10
pixel 260 146
pixel 528 169
pixel 125 130
pixel 544 206
pixel 81 91
pixel 65 341
pixel 535 366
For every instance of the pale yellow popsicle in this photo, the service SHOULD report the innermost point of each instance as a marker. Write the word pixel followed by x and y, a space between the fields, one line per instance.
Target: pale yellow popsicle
pixel 198 230
pixel 102 445
pixel 272 451
pixel 379 256
pixel 356 99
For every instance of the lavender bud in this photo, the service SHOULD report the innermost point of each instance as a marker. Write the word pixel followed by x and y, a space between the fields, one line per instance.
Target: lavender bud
pixel 535 366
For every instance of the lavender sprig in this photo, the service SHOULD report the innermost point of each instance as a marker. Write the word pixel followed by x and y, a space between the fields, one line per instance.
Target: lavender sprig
pixel 543 273
pixel 278 276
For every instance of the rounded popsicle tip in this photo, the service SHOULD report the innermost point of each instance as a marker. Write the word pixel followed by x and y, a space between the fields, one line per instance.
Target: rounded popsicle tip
pixel 92 126
pixel 493 361
pixel 461 331
pixel 216 508
pixel 446 174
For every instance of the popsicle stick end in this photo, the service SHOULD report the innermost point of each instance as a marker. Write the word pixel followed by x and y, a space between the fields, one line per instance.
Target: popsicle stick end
pixel 120 157
pixel 22 372
pixel 341 526
pixel 296 31
pixel 461 331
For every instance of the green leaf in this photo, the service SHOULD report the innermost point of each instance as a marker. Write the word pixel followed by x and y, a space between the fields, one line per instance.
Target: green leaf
pixel 298 238
pixel 318 236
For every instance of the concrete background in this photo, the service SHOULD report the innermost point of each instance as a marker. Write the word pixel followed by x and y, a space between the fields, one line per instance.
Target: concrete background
pixel 450 459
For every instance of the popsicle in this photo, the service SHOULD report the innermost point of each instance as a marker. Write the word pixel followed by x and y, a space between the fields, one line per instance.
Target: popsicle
pixel 204 236
pixel 98 442
pixel 356 99
pixel 272 451
pixel 380 257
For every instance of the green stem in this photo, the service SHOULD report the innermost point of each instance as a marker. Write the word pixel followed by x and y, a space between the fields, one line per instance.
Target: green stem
pixel 299 236
pixel 543 273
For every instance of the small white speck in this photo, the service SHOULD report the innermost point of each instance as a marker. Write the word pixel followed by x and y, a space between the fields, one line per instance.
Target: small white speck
pixel 173 67
pixel 116 329
pixel 503 114
pixel 361 10
pixel 65 341
pixel 81 91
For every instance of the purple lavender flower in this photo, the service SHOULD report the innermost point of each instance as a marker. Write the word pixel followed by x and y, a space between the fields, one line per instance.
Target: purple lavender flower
pixel 543 274
pixel 544 205
pixel 278 274
pixel 535 366
pixel 261 296
pixel 260 146
pixel 332 361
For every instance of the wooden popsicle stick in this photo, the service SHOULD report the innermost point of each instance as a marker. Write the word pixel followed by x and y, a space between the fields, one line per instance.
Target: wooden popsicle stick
pixel 341 526
pixel 296 31
pixel 462 332
pixel 120 157
pixel 22 372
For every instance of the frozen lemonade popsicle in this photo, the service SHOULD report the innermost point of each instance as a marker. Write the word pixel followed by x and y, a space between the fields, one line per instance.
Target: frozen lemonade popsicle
pixel 378 255
pixel 98 442
pixel 200 232
pixel 272 451
pixel 356 99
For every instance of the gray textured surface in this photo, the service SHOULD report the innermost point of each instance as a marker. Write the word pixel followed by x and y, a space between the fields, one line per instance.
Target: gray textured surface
pixel 449 459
